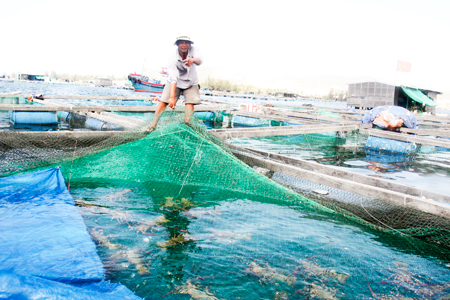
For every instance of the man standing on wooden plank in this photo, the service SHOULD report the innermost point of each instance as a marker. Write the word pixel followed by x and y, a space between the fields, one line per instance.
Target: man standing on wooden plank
pixel 183 78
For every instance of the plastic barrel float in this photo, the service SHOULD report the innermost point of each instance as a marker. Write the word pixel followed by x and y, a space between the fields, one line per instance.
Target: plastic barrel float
pixel 205 115
pixel 427 148
pixel 72 117
pixel 95 124
pixel 33 117
pixel 380 156
pixel 254 122
pixel 64 115
pixel 383 144
pixel 291 124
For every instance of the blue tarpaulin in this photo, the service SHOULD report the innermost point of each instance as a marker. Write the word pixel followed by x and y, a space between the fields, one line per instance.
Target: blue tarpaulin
pixel 409 119
pixel 45 249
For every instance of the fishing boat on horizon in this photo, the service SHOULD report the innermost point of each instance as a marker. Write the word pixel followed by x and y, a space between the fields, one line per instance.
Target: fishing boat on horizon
pixel 142 83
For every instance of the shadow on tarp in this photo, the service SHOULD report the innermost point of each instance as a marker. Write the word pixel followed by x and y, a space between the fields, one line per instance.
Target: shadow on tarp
pixel 45 249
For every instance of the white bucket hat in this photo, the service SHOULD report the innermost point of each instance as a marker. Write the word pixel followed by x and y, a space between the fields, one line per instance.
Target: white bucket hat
pixel 183 37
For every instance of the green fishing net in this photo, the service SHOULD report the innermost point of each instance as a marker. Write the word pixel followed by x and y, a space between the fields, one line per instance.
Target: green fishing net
pixel 176 215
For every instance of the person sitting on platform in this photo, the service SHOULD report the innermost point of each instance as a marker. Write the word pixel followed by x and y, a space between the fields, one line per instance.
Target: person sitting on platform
pixel 182 78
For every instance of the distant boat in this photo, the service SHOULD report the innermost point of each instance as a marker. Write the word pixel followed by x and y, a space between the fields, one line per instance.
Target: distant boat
pixel 144 84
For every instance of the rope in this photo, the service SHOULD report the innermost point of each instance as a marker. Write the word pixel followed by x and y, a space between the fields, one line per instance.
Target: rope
pixel 71 166
pixel 193 160
pixel 401 233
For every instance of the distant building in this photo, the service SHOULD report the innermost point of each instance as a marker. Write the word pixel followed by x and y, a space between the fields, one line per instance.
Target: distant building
pixel 103 81
pixel 285 95
pixel 31 77
pixel 372 94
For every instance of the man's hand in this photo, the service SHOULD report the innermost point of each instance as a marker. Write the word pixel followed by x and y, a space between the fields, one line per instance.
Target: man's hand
pixel 188 61
pixel 172 102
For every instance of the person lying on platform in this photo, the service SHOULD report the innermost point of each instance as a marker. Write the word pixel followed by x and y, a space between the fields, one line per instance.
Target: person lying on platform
pixel 183 78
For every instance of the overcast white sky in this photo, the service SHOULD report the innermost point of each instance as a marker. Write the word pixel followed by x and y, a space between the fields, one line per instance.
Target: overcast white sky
pixel 355 39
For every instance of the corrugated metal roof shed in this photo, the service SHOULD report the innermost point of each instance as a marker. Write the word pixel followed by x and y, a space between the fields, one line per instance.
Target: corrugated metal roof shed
pixel 371 94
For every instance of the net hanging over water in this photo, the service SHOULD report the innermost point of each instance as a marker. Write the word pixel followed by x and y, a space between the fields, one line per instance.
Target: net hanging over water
pixel 175 214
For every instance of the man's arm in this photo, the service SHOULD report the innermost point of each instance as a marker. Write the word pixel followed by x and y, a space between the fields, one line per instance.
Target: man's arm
pixel 196 59
pixel 173 88
pixel 189 61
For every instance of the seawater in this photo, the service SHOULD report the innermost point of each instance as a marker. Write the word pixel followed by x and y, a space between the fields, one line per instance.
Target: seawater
pixel 236 246
pixel 428 168
pixel 240 247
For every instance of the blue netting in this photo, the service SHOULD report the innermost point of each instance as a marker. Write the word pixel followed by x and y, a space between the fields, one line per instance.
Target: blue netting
pixel 409 119
pixel 44 244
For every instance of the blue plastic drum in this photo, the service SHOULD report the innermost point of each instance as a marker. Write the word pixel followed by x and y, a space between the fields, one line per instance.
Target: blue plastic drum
pixel 383 144
pixel 33 117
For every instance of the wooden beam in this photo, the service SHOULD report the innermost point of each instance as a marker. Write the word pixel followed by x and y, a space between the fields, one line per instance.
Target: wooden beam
pixel 433 118
pixel 11 94
pixel 315 116
pixel 281 129
pixel 23 107
pixel 83 97
pixel 63 139
pixel 407 138
pixel 69 133
pixel 348 175
pixel 276 117
pixel 117 121
pixel 272 131
pixel 433 132
pixel 345 115
pixel 52 106
pixel 123 118
pixel 401 199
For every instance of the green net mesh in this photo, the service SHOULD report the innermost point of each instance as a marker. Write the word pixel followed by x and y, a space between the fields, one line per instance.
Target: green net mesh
pixel 176 215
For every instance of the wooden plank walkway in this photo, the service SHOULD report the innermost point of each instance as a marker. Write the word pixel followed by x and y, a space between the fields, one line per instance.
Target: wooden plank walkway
pixel 335 180
pixel 313 123
pixel 431 132
pixel 87 97
pixel 52 106
pixel 340 173
pixel 275 117
pixel 407 138
pixel 224 134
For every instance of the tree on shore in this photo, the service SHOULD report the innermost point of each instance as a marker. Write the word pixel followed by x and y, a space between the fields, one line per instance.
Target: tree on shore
pixel 336 95
pixel 227 85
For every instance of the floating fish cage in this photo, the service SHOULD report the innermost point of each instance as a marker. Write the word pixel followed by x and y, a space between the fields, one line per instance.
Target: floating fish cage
pixel 99 102
pixel 173 214
pixel 81 121
pixel 18 117
pixel 52 120
pixel 253 122
pixel 423 166
pixel 9 100
pixel 291 124
pixel 25 120
pixel 143 116
pixel 311 142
